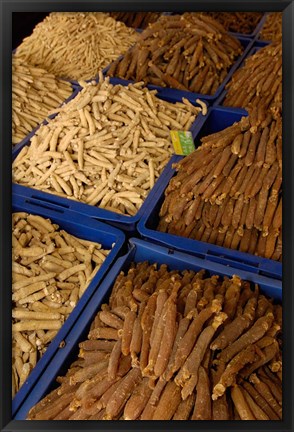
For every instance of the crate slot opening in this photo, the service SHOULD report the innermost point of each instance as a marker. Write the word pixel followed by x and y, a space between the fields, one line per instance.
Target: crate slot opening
pixel 28 201
pixel 51 201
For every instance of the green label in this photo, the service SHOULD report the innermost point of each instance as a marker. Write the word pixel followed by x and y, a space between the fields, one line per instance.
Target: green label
pixel 183 142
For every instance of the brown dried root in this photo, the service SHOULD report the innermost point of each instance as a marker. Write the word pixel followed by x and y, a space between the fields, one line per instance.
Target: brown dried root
pixel 104 384
pixel 264 390
pixel 241 405
pixel 272 28
pixel 202 409
pixel 122 393
pixel 234 200
pixel 261 82
pixel 180 52
pixel 168 402
pixel 256 332
pixel 228 378
pixel 138 400
pixel 187 377
pixel 240 22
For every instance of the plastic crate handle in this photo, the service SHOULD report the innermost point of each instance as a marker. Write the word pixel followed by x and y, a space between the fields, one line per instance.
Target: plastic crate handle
pixel 230 260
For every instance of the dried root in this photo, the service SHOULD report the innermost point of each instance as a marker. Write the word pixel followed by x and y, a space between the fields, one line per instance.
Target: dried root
pixel 229 191
pixel 193 362
pixel 188 52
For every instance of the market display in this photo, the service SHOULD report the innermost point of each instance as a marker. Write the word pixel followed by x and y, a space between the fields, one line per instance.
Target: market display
pixel 229 190
pixel 106 147
pixel 175 346
pixel 186 52
pixel 51 269
pixel 137 20
pixel 35 93
pixel 76 45
pixel 272 28
pixel 259 82
pixel 165 344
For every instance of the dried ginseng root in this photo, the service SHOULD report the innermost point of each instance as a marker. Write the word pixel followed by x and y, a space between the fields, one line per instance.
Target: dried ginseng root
pixel 239 22
pixel 229 190
pixel 35 93
pixel 51 269
pixel 258 82
pixel 188 52
pixel 75 45
pixel 272 28
pixel 191 360
pixel 137 20
pixel 106 147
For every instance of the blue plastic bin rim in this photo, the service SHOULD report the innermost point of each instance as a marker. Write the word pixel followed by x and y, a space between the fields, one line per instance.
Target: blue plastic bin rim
pixel 37 206
pixel 211 266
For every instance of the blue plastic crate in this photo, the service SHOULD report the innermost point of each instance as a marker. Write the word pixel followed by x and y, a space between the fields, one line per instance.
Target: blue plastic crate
pixel 17 148
pixel 139 251
pixel 79 226
pixel 255 48
pixel 217 119
pixel 127 223
pixel 175 95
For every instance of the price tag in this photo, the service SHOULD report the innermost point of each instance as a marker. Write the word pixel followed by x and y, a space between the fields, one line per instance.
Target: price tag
pixel 183 142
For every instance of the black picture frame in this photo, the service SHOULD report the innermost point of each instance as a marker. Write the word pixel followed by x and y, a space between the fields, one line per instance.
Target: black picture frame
pixel 9 7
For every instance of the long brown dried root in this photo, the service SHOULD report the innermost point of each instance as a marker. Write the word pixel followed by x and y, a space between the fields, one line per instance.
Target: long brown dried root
pixel 202 409
pixel 241 405
pixel 272 28
pixel 197 362
pixel 135 19
pixel 228 191
pixel 253 84
pixel 189 52
pixel 240 22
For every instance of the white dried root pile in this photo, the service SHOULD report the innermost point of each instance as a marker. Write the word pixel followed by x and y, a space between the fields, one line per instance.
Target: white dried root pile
pixel 76 45
pixel 175 345
pixel 35 93
pixel 51 269
pixel 106 147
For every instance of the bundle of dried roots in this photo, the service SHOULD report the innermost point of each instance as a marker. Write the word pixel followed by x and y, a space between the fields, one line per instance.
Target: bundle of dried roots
pixel 175 346
pixel 272 29
pixel 259 81
pixel 136 19
pixel 186 52
pixel 229 191
pixel 240 22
